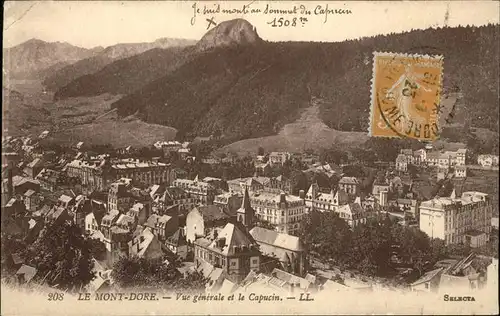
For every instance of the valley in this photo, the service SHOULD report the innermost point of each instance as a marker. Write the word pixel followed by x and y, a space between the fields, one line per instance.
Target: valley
pixel 86 119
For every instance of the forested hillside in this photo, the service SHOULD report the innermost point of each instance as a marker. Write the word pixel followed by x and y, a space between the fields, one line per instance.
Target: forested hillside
pixel 125 75
pixel 251 91
pixel 58 78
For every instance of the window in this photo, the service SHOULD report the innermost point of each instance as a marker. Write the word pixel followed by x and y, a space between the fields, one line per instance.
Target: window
pixel 254 261
pixel 233 263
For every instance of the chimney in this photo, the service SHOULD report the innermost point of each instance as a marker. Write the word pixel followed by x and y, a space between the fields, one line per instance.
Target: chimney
pixel 282 197
pixel 222 242
pixel 302 194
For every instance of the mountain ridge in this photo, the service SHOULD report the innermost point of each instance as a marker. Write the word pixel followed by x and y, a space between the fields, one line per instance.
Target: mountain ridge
pixel 248 91
pixel 25 60
pixel 63 76
pixel 206 95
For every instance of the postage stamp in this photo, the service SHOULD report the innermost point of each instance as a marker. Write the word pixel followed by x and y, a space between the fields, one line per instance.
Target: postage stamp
pixel 405 100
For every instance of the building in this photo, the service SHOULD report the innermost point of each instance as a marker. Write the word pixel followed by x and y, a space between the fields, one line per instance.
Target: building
pixel 33 168
pixel 434 158
pixel 49 179
pixel 288 249
pixel 22 184
pixel 202 219
pixel 279 158
pixel 429 282
pixel 177 243
pixel 217 183
pixel 174 196
pixel 458 220
pixel 146 245
pixel 252 184
pixel 278 184
pixel 168 146
pixel 31 200
pixel 262 168
pixel 402 163
pixel 408 154
pixel 199 191
pixel 95 175
pixel 25 274
pixel 233 249
pixel 115 238
pixel 446 159
pixel 494 222
pixel 487 160
pixel 93 220
pixel 163 226
pixel 350 185
pixel 282 210
pixel 460 172
pixel 119 196
pixel 246 214
pixel 353 214
pixel 230 202
pixel 465 274
pixel 420 156
pixel 323 202
pixel 379 187
pixel 99 174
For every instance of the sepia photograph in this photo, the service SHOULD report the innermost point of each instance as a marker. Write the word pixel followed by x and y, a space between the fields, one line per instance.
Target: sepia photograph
pixel 250 157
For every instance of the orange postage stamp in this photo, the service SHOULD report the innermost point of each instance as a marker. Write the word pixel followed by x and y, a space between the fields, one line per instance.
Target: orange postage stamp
pixel 405 99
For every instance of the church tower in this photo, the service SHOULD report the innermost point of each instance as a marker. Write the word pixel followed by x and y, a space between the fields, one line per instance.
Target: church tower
pixel 246 213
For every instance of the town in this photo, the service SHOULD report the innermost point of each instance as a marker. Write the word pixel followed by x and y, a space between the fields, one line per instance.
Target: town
pixel 175 216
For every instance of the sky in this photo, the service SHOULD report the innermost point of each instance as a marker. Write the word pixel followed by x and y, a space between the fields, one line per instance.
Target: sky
pixel 104 23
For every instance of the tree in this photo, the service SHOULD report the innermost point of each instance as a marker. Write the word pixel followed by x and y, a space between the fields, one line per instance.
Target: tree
pixel 140 272
pixel 62 254
pixel 298 182
pixel 98 249
pixel 333 155
pixel 10 245
pixel 260 151
pixel 326 234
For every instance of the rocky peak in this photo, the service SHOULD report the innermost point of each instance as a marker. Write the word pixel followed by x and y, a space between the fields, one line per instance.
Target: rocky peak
pixel 229 33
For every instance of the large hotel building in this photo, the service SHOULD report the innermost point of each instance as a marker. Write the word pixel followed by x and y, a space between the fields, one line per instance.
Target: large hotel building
pixel 458 220
pixel 99 174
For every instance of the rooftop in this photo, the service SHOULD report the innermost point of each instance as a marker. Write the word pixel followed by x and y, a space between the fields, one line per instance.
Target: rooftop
pixel 211 212
pixel 274 238
pixel 273 197
pixel 428 276
pixel 349 180
pixel 229 240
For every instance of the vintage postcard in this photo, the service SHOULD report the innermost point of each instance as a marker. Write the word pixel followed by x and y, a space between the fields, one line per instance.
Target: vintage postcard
pixel 250 157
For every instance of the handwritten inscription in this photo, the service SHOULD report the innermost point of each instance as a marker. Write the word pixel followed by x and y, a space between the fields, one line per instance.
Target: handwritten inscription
pixel 300 12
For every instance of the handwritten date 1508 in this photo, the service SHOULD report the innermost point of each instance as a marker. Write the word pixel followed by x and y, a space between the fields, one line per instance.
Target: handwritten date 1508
pixel 282 22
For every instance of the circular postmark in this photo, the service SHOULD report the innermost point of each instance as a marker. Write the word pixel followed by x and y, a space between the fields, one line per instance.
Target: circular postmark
pixel 407 89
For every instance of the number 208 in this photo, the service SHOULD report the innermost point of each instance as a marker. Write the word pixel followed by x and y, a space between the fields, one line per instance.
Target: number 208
pixel 56 296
